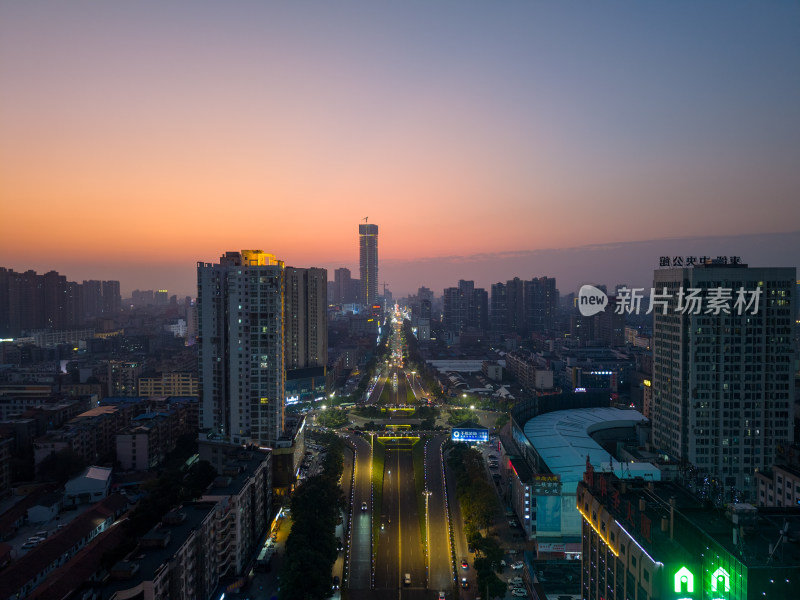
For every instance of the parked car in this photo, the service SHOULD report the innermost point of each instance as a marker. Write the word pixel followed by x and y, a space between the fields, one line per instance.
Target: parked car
pixel 515 581
pixel 517 565
pixel 519 593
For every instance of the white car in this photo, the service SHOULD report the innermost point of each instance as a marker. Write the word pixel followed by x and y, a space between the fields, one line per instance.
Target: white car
pixel 519 593
pixel 515 581
pixel 517 565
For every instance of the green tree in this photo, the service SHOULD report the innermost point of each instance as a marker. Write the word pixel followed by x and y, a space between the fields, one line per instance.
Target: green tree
pixel 61 466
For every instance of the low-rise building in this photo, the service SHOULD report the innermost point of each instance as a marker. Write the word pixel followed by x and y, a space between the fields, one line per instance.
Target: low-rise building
pixel 779 486
pixel 34 568
pixel 178 383
pixel 91 486
pixel 46 508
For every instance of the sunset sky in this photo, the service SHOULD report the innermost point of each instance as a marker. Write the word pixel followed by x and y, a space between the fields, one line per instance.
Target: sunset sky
pixel 137 138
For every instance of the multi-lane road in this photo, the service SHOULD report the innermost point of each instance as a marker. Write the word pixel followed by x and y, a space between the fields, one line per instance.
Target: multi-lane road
pixel 395 563
pixel 399 548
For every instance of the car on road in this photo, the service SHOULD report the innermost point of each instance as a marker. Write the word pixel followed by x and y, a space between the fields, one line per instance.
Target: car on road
pixel 363 506
pixel 29 544
pixel 515 580
pixel 442 596
pixel 513 524
pixel 517 565
pixel 464 563
pixel 519 593
pixel 336 582
pixel 464 583
pixel 407 579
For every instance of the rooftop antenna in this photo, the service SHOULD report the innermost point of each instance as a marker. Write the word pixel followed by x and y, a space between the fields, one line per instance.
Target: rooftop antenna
pixel 774 549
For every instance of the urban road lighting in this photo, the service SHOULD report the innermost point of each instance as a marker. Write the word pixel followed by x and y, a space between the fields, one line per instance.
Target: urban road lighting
pixel 427 495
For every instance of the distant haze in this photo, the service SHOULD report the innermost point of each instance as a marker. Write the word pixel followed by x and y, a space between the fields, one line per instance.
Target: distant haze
pixel 630 263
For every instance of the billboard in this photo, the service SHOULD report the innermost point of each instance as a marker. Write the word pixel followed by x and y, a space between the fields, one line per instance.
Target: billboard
pixel 548 514
pixel 469 434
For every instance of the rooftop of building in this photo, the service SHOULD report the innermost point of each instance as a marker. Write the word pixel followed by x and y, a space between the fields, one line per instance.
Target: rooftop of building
pixel 168 537
pixel 98 411
pixel 793 470
pixel 241 466
pixel 696 523
pixel 563 440
pixel 111 400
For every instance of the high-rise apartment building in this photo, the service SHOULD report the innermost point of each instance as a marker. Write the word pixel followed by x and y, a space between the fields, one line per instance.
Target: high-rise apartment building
pixel 305 318
pixel 92 298
pixel 30 302
pixel 454 310
pixel 368 261
pixel 541 303
pixel 112 299
pixel 342 287
pixel 723 389
pixel 515 306
pixel 240 305
pixel 498 310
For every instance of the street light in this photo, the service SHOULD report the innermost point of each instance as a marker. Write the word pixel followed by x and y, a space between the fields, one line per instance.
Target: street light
pixel 427 495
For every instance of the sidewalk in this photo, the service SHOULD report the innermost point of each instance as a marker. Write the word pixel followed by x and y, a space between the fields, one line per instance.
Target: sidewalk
pixel 265 585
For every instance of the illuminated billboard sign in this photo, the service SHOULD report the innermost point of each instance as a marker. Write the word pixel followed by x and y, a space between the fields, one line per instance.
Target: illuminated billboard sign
pixel 469 434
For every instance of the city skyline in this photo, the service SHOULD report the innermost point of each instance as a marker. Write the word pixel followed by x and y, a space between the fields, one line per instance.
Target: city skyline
pixel 628 263
pixel 137 140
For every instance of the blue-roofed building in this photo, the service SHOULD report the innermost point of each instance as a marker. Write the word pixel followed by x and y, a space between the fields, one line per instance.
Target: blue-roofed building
pixel 547 459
